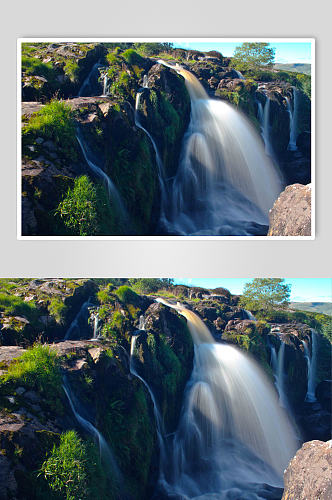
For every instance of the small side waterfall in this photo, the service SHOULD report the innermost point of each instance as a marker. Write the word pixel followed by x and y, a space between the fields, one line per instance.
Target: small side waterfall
pixel 249 315
pixel 233 440
pixel 312 360
pixel 225 181
pixel 238 74
pixel 280 376
pixel 159 161
pixel 106 452
pixel 86 84
pixel 95 317
pixel 157 413
pixel 264 120
pixel 293 120
pixel 75 323
pixel 112 191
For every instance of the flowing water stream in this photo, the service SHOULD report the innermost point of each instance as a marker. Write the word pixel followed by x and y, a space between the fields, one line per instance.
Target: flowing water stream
pixel 233 441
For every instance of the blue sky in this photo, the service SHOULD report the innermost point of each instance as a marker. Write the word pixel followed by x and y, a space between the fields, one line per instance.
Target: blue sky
pixel 302 289
pixel 286 52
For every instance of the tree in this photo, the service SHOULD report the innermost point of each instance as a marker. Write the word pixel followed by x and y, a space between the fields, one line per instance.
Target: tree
pixel 265 293
pixel 253 56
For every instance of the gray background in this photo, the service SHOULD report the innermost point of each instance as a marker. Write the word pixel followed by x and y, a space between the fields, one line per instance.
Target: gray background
pixel 209 19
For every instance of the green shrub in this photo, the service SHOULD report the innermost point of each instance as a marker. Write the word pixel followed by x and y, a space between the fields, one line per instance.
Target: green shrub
pixel 78 210
pixel 86 210
pixel 37 368
pixel 74 471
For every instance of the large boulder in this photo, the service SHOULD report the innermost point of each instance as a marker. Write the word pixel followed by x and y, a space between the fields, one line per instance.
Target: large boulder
pixel 309 474
pixel 291 212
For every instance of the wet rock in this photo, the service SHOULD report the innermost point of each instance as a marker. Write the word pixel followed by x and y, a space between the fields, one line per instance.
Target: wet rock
pixel 20 391
pixel 8 482
pixel 291 212
pixel 309 474
pixel 303 142
pixel 323 394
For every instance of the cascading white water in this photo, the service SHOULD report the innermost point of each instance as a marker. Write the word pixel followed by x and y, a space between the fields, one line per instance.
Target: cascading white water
pixel 312 360
pixel 238 74
pixel 158 156
pixel 95 317
pixel 112 191
pixel 86 82
pixel 249 315
pixel 74 324
pixel 158 417
pixel 280 376
pixel 294 119
pixel 232 436
pixel 224 180
pixel 106 452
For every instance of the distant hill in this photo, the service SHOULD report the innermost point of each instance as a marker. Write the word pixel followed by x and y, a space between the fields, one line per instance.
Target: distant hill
pixel 298 67
pixel 318 307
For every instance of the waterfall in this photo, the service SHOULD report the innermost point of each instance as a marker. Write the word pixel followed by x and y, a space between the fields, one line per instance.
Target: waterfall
pixel 264 120
pixel 86 82
pixel 238 74
pixel 294 119
pixel 106 452
pixel 74 324
pixel 280 376
pixel 95 317
pixel 249 315
pixel 157 413
pixel 112 191
pixel 225 181
pixel 159 161
pixel 312 360
pixel 233 439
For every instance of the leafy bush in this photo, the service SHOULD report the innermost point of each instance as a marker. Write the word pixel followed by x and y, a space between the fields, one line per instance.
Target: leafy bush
pixel 37 368
pixel 78 210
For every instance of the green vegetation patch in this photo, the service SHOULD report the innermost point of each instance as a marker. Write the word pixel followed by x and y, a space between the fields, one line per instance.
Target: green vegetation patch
pixel 38 368
pixel 55 122
pixel 12 305
pixel 85 210
pixel 74 471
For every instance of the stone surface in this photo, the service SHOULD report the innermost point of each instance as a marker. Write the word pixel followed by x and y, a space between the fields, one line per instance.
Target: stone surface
pixel 291 212
pixel 309 474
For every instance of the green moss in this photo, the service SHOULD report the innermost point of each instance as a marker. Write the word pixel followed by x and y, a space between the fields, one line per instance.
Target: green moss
pixel 132 57
pixel 126 294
